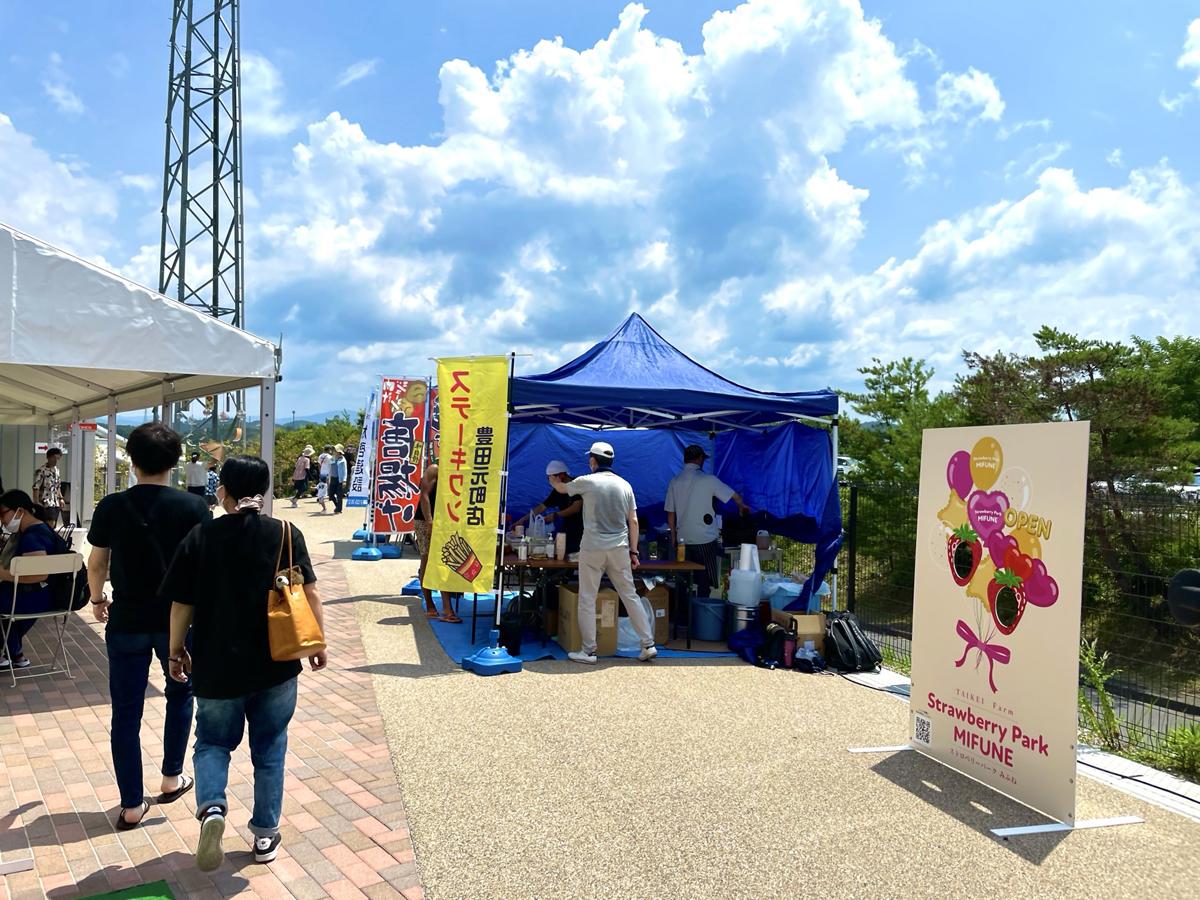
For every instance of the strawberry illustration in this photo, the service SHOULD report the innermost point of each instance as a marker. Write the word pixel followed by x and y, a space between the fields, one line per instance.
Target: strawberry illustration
pixel 964 551
pixel 1006 599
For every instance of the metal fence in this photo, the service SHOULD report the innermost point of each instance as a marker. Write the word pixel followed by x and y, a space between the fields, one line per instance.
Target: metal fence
pixel 1134 545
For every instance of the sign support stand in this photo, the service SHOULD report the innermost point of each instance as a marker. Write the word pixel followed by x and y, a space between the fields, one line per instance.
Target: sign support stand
pixel 1020 830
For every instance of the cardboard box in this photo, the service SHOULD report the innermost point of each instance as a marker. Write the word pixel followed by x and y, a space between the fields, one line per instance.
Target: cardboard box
pixel 809 627
pixel 606 620
pixel 660 600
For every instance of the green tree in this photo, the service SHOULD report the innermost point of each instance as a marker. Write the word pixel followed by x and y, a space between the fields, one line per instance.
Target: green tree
pixel 897 404
pixel 1002 389
pixel 1139 398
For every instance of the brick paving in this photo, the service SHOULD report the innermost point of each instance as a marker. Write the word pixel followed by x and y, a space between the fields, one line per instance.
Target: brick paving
pixel 345 830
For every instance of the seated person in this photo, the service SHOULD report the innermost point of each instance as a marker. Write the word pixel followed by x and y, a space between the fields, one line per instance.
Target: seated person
pixel 28 536
pixel 567 509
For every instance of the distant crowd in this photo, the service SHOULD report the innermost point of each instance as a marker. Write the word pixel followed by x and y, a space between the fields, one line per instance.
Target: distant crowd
pixel 327 475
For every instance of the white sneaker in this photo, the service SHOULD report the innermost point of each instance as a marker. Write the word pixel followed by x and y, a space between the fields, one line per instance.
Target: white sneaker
pixel 209 853
pixel 266 848
pixel 581 656
pixel 648 653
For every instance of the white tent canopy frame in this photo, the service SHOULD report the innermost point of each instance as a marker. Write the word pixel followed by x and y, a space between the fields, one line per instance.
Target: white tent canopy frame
pixel 78 341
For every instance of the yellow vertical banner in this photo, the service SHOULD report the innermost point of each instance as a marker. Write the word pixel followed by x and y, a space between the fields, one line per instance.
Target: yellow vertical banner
pixel 472 399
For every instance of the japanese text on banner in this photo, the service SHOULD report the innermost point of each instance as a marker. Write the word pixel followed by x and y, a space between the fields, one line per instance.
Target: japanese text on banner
pixel 473 415
pixel 360 476
pixel 399 453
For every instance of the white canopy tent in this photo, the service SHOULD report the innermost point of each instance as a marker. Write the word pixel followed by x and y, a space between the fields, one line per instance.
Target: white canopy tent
pixel 78 342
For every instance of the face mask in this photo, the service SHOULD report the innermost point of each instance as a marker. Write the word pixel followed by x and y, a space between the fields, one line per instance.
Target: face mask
pixel 13 525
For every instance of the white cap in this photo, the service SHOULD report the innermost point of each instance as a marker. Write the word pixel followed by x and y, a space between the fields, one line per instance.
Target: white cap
pixel 556 467
pixel 602 449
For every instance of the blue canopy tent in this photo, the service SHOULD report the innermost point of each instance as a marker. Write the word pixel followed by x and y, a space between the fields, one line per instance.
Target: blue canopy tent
pixel 762 442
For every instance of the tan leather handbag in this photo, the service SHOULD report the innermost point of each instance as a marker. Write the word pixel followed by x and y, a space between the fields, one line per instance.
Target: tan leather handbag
pixel 291 626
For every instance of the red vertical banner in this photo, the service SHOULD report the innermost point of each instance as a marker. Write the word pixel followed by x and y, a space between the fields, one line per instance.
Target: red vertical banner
pixel 400 453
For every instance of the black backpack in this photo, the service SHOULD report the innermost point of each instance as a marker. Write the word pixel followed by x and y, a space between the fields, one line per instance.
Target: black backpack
pixel 847 648
pixel 61 594
pixel 770 653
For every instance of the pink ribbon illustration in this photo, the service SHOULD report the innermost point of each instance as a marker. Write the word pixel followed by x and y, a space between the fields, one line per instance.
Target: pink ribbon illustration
pixel 995 653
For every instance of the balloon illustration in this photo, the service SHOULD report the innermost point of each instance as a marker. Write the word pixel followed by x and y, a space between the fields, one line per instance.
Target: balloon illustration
pixel 987 459
pixel 1029 543
pixel 1040 588
pixel 985 512
pixel 1014 481
pixel 998 547
pixel 958 473
pixel 954 513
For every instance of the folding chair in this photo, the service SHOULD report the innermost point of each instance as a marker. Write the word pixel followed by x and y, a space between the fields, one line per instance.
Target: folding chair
pixel 34 569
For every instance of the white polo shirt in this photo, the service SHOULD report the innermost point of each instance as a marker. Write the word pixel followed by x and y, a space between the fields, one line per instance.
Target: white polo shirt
pixel 690 496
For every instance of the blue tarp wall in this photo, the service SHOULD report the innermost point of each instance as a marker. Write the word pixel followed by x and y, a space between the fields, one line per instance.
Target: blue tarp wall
pixel 785 475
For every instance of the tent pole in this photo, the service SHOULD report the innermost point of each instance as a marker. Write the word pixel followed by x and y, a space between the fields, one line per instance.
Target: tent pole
pixel 266 420
pixel 110 474
pixel 833 433
pixel 75 469
pixel 502 525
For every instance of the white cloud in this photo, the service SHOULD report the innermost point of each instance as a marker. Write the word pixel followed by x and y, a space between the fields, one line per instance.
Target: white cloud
pixel 1101 262
pixel 53 200
pixel 118 65
pixel 56 84
pixel 263 106
pixel 1115 158
pixel 364 68
pixel 570 186
pixel 1189 59
pixel 1034 159
pixel 141 182
pixel 970 95
pixel 1005 132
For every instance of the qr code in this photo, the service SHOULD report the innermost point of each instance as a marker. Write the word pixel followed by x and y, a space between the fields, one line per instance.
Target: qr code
pixel 922 730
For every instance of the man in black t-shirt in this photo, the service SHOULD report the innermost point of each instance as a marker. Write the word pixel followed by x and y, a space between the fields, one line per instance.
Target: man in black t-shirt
pixel 566 508
pixel 134 535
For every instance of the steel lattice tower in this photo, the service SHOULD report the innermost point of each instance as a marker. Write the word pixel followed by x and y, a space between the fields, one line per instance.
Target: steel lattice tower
pixel 201 250
pixel 201 253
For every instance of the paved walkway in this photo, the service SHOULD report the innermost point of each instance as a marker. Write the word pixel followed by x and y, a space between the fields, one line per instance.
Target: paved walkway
pixel 345 829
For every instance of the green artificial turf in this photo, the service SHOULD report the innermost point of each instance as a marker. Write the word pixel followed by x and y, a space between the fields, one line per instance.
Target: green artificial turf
pixel 155 890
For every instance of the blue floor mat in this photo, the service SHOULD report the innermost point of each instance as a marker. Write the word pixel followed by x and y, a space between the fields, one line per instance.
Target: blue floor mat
pixel 455 638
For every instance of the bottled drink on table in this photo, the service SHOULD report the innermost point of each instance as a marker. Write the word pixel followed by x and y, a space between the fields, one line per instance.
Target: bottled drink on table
pixel 680 552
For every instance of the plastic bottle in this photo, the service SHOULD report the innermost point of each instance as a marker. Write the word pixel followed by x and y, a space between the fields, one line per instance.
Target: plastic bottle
pixel 789 646
pixel 680 552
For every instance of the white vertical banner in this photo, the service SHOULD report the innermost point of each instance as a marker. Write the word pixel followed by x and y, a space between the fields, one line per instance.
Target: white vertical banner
pixel 998 592
pixel 360 477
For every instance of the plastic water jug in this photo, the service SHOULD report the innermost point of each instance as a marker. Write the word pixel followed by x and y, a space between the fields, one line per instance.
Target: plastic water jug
pixel 537 527
pixel 745 587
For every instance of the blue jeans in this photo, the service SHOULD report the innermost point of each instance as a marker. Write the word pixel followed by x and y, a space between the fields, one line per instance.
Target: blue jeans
pixel 129 658
pixel 27 602
pixel 219 725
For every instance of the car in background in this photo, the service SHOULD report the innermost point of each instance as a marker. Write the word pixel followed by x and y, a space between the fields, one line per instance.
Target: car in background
pixel 1189 491
pixel 847 467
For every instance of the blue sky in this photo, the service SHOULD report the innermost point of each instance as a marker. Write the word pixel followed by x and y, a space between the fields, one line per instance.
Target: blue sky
pixel 784 189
